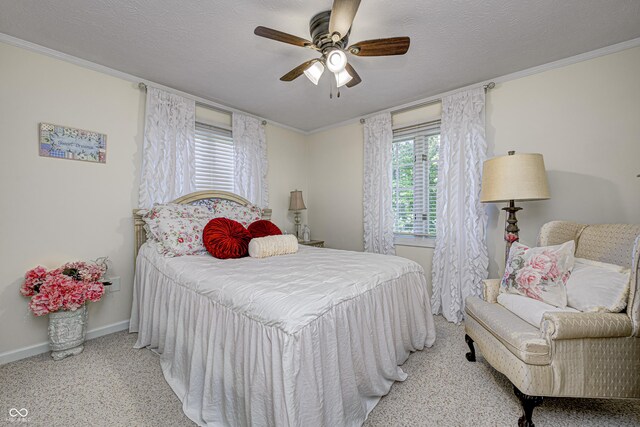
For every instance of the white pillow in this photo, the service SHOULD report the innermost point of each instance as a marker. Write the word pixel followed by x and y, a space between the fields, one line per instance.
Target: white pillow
pixel 262 247
pixel 528 309
pixel 598 286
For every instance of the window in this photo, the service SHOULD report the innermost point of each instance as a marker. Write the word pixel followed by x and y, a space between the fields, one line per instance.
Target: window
pixel 415 174
pixel 214 158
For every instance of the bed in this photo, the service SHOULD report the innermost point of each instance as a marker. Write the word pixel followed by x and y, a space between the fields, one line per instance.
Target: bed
pixel 313 338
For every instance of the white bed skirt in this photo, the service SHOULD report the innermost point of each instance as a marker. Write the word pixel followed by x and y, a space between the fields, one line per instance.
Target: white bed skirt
pixel 231 370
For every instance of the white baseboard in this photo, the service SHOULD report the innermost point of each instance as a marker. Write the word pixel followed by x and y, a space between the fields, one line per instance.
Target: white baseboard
pixel 21 353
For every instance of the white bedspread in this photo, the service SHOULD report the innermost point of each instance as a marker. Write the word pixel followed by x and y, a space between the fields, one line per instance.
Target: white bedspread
pixel 307 339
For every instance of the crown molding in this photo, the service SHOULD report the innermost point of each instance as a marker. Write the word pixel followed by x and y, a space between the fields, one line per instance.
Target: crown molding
pixel 607 50
pixel 14 41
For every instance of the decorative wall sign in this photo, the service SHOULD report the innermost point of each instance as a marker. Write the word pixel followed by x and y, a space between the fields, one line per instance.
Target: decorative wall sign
pixel 74 144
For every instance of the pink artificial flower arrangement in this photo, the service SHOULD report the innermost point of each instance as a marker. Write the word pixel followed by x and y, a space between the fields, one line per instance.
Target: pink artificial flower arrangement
pixel 65 288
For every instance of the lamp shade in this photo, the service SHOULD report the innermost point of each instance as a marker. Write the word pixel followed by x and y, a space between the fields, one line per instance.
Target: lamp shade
pixel 519 176
pixel 342 78
pixel 314 72
pixel 296 203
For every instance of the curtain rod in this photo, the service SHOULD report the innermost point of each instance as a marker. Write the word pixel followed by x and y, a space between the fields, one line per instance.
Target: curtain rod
pixel 486 87
pixel 143 86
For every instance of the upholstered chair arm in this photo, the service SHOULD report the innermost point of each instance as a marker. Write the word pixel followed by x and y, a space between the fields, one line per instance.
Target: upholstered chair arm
pixel 490 290
pixel 565 326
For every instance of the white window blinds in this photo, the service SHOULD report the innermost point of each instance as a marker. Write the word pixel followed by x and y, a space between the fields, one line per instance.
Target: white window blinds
pixel 415 174
pixel 214 158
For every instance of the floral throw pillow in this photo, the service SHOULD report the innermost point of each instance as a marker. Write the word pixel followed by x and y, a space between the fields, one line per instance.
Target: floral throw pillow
pixel 180 236
pixel 159 213
pixel 539 273
pixel 222 208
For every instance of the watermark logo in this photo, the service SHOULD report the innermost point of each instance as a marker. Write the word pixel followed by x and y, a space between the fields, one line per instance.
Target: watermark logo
pixel 18 415
pixel 22 413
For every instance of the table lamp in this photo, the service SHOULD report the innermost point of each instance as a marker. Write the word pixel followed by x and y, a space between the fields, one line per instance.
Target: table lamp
pixel 296 204
pixel 515 177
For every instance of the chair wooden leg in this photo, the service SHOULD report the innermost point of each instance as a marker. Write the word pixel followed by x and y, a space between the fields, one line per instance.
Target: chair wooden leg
pixel 528 405
pixel 471 356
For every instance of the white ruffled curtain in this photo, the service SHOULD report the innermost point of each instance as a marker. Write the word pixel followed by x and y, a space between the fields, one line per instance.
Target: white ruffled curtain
pixel 168 153
pixel 250 149
pixel 461 259
pixel 377 206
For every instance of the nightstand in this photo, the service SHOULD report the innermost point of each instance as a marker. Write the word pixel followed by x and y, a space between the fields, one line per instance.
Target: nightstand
pixel 316 243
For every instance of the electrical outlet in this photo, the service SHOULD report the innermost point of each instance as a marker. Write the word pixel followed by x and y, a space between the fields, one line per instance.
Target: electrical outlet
pixel 115 284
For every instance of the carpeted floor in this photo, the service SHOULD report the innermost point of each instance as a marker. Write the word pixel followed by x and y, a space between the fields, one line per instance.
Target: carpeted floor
pixel 111 384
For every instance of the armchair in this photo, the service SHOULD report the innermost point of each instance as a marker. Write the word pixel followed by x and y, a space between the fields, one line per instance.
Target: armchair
pixel 593 355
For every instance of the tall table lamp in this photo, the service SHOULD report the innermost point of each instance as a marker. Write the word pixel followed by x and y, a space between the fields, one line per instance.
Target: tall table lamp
pixel 511 178
pixel 296 204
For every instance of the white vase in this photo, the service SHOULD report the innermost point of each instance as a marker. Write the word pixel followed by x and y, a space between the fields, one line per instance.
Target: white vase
pixel 67 332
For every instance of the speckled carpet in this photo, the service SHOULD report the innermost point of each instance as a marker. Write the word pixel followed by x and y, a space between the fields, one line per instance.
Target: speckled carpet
pixel 111 384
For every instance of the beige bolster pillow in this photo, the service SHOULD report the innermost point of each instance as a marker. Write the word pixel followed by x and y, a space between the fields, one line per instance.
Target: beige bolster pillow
pixel 262 247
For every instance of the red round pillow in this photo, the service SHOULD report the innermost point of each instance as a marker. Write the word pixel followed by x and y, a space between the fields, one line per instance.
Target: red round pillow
pixel 225 238
pixel 262 228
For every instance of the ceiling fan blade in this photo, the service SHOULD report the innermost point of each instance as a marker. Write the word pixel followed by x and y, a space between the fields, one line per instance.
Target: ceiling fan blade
pixel 297 72
pixel 281 37
pixel 342 14
pixel 355 78
pixel 381 47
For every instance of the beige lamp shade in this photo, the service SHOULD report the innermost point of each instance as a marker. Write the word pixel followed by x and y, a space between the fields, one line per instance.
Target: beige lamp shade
pixel 519 176
pixel 296 203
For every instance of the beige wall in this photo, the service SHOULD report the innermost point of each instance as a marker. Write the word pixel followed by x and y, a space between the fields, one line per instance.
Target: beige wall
pixel 55 210
pixel 335 184
pixel 287 156
pixel 584 118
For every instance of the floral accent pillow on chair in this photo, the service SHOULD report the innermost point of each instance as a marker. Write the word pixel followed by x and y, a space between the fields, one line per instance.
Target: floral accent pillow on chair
pixel 539 273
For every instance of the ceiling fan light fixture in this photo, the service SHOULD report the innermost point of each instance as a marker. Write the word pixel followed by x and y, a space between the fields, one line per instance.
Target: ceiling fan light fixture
pixel 342 78
pixel 330 32
pixel 336 61
pixel 314 72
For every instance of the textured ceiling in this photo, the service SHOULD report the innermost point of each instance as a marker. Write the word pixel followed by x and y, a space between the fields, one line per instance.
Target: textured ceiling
pixel 207 48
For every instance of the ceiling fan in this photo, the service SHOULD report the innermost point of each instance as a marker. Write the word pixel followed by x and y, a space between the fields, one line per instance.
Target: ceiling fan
pixel 330 34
